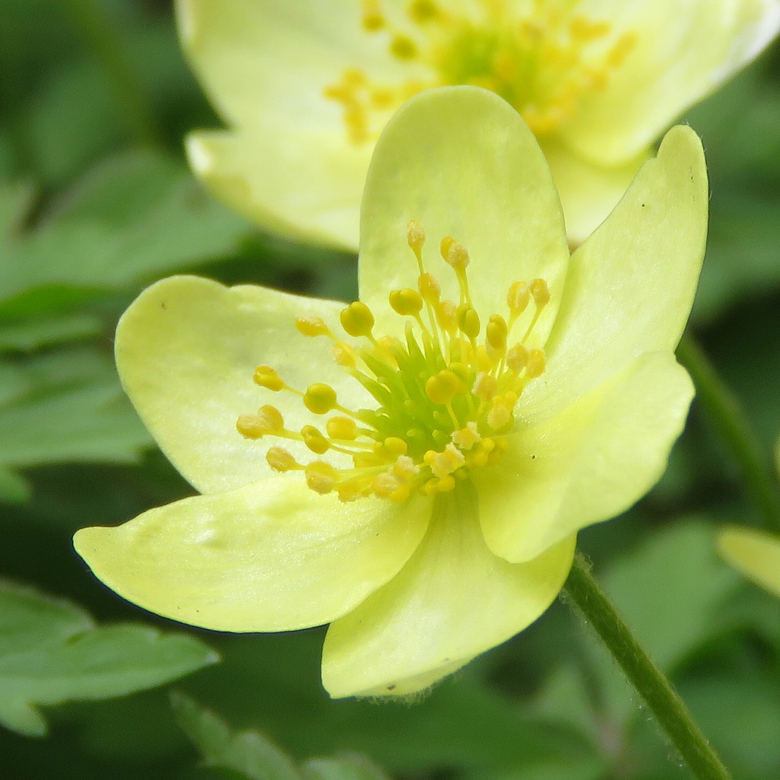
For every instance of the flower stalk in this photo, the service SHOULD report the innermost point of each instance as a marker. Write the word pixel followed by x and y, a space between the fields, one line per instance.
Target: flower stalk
pixel 654 687
pixel 731 424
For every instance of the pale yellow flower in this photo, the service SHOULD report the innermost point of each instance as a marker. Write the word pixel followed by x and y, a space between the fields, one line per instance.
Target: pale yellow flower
pixel 413 468
pixel 305 87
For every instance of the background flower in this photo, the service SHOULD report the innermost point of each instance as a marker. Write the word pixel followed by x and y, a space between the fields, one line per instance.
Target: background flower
pixel 305 88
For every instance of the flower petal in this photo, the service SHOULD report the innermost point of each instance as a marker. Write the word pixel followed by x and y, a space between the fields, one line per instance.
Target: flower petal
pixel 272 556
pixel 301 182
pixel 754 553
pixel 631 285
pixel 462 163
pixel 452 601
pixel 186 351
pixel 683 51
pixel 588 463
pixel 252 56
pixel 588 192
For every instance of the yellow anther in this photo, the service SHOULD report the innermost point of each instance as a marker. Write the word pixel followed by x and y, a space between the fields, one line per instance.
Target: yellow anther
pixel 320 398
pixel 281 460
pixel 468 320
pixel 314 440
pixel 422 11
pixel 496 333
pixel 466 437
pixel 405 468
pixel 485 386
pixel 484 362
pixel 445 484
pixel 251 426
pixel 518 298
pixel 500 413
pixel 406 302
pixel 343 354
pixel 536 363
pixel 517 358
pixel 444 246
pixel 344 428
pixel 320 476
pixel 429 288
pixel 357 319
pixel 447 316
pixel 385 484
pixel 540 292
pixel 456 253
pixel 395 445
pixel 462 371
pixel 415 236
pixel 265 376
pixel 272 417
pixel 444 386
pixel 444 463
pixel 403 47
pixel 311 325
pixel 373 19
pixel 400 495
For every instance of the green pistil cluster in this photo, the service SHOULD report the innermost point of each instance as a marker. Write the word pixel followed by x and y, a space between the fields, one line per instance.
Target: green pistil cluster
pixel 445 400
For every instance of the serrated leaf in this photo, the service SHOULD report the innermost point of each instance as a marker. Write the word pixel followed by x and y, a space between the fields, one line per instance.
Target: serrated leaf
pixel 247 752
pixel 51 652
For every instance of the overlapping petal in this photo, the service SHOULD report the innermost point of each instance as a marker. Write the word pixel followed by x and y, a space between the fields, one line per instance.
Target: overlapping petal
pixel 682 52
pixel 271 556
pixel 590 462
pixel 452 601
pixel 756 554
pixel 299 181
pixel 484 181
pixel 187 350
pixel 588 192
pixel 631 285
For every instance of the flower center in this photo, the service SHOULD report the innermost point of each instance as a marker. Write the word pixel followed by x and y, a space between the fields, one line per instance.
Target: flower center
pixel 445 394
pixel 543 61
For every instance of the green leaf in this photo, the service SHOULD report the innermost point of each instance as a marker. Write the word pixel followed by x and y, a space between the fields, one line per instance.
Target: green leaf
pixel 33 333
pixel 14 489
pixel 670 590
pixel 51 652
pixel 252 756
pixel 67 406
pixel 345 767
pixel 15 202
pixel 135 217
pixel 247 752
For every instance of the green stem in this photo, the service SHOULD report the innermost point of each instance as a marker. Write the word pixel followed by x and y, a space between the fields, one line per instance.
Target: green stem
pixel 664 701
pixel 102 37
pixel 730 421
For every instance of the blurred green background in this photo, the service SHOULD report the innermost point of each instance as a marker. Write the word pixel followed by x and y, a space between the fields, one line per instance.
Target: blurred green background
pixel 95 203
